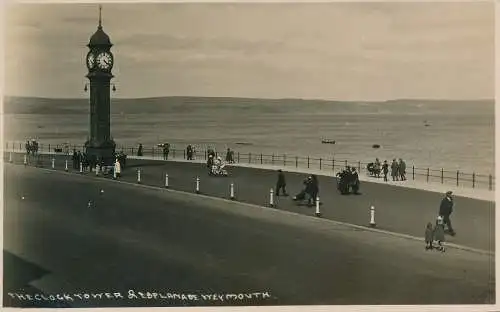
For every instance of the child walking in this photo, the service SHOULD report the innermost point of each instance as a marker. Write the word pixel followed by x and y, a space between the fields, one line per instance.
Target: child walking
pixel 439 233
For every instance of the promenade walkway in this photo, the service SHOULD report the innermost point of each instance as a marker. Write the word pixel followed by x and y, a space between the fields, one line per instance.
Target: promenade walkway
pixel 398 209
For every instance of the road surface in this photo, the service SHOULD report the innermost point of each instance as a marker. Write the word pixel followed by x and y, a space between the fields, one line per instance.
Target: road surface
pixel 134 238
pixel 398 209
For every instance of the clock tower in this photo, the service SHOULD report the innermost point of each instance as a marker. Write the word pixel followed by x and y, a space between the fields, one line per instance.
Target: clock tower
pixel 99 64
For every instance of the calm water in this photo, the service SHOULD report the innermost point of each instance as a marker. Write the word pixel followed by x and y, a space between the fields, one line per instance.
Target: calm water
pixel 460 135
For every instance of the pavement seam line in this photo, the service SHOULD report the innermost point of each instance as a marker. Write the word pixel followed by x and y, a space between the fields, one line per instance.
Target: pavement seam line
pixel 345 224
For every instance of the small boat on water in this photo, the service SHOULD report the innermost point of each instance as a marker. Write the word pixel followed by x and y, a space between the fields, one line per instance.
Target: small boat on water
pixel 243 143
pixel 376 146
pixel 426 123
pixel 326 141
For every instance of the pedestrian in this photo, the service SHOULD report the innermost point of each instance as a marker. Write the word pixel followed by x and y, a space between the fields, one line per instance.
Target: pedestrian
pixel 75 159
pixel 314 188
pixel 429 236
pixel 445 210
pixel 189 152
pixel 377 167
pixel 394 169
pixel 139 150
pixel 385 169
pixel 439 233
pixel 281 184
pixel 402 169
pixel 355 181
pixel 166 151
pixel 118 168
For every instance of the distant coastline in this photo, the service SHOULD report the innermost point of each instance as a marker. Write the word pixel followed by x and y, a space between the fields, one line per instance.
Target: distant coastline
pixel 36 105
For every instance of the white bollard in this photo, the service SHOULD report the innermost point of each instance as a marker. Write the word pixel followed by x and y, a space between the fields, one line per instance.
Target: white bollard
pixel 25 160
pixel 10 157
pixel 318 213
pixel 53 163
pixel 139 176
pixel 66 165
pixel 197 185
pixel 372 217
pixel 166 180
pixel 114 174
pixel 97 170
pixel 271 198
pixel 231 195
pixel 81 167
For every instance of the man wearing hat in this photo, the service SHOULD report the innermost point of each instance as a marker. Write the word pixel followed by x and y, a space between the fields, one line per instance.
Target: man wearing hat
pixel 445 210
pixel 281 184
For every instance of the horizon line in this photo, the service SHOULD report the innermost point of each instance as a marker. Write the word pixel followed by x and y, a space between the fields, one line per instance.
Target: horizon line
pixel 253 98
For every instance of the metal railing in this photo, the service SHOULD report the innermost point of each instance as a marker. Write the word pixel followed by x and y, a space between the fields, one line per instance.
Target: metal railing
pixel 442 176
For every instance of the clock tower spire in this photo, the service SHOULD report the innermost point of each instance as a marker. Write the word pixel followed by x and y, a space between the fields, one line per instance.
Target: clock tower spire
pixel 100 145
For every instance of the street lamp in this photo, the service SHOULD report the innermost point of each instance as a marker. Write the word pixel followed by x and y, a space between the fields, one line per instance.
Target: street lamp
pixel 85 88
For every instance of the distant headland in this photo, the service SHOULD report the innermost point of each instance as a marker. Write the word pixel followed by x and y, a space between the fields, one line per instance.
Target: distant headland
pixel 41 105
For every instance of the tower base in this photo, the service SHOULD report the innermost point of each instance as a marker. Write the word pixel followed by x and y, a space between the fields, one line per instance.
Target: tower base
pixel 104 151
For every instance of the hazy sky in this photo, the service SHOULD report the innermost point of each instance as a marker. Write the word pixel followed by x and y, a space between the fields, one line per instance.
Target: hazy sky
pixel 344 51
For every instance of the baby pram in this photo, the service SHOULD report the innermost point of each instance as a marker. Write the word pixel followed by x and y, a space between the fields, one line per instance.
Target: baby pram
pixel 218 170
pixel 373 170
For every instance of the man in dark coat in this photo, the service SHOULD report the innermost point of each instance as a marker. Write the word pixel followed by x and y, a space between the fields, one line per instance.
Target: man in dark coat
pixel 166 151
pixel 355 181
pixel 385 169
pixel 445 210
pixel 75 160
pixel 281 184
pixel 314 189
pixel 139 150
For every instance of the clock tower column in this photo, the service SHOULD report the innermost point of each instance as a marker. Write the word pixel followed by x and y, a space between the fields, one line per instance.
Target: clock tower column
pixel 99 61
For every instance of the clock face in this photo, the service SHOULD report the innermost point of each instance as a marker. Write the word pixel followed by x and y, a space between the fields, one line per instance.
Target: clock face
pixel 90 60
pixel 105 60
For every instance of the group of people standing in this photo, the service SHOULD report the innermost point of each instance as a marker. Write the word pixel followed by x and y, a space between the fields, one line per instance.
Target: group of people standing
pixel 31 147
pixel 398 169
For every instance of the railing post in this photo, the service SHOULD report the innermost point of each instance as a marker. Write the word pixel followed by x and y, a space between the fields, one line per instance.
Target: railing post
pixel 427 174
pixel 49 147
pixel 413 171
pixel 359 166
pixel 249 158
pixel 184 154
pixel 473 179
pixel 442 176
pixel 333 164
pixel 238 157
pixel 458 172
pixel 490 182
pixel 284 159
pixel 272 159
pixel 307 162
pixel 320 164
pixel 296 162
pixel 173 153
pixel 261 158
pixel 346 162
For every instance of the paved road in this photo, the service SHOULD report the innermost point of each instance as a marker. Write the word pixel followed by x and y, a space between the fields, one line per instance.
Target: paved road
pixel 398 209
pixel 157 240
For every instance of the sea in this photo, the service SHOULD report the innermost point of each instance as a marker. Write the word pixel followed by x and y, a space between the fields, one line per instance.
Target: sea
pixel 454 135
